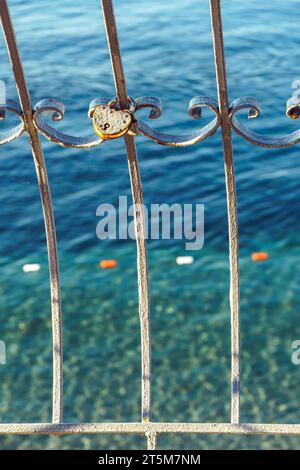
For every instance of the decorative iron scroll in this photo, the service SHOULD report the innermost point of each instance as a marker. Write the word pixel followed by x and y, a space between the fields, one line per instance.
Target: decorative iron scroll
pixel 15 132
pixel 115 118
pixel 53 109
pixel 56 110
pixel 254 112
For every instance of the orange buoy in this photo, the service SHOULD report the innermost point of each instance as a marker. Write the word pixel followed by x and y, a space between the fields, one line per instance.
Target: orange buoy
pixel 261 256
pixel 108 263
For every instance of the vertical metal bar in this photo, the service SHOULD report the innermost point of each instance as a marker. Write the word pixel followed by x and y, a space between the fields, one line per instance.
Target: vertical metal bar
pixel 137 196
pixel 142 270
pixel 217 31
pixel 114 51
pixel 45 194
pixel 152 440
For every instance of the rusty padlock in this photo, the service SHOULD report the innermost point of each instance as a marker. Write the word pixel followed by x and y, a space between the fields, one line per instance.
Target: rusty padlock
pixel 110 123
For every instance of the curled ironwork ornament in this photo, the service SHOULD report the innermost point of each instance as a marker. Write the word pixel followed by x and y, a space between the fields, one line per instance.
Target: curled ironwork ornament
pixel 52 109
pixel 15 132
pixel 293 111
pixel 55 110
pixel 293 106
pixel 110 121
pixel 183 140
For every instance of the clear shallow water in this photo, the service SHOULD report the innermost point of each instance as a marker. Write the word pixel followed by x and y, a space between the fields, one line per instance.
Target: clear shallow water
pixel 166 53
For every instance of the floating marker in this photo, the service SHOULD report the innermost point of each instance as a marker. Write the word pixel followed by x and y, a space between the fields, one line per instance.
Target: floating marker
pixel 30 268
pixel 184 260
pixel 262 256
pixel 108 264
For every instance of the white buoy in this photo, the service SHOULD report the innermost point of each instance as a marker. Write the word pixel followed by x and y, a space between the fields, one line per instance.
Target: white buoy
pixel 29 268
pixel 184 260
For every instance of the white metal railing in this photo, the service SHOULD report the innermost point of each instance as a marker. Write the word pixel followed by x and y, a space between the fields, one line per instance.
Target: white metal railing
pixel 33 123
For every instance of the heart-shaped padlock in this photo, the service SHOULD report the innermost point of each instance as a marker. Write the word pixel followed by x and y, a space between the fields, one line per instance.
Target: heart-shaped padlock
pixel 110 123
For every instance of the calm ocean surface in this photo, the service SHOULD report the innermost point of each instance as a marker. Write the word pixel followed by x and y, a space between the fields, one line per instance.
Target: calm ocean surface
pixel 167 52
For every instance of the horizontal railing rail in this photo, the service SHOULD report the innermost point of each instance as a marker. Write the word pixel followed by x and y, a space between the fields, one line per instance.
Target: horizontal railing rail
pixel 121 111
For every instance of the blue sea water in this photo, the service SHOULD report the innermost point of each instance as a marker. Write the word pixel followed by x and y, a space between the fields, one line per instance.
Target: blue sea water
pixel 167 52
